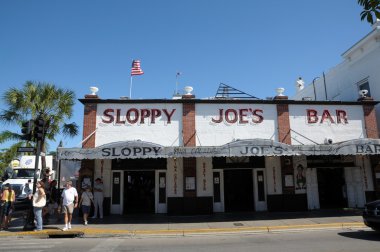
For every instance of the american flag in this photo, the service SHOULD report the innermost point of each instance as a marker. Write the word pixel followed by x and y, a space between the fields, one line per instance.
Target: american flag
pixel 136 68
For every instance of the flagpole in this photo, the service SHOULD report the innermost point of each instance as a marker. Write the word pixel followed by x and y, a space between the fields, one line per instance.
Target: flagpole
pixel 130 89
pixel 176 83
pixel 135 70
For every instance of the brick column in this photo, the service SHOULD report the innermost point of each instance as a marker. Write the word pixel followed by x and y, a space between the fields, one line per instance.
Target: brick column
pixel 89 126
pixel 370 117
pixel 89 123
pixel 283 121
pixel 188 122
pixel 284 135
pixel 188 131
pixel 372 132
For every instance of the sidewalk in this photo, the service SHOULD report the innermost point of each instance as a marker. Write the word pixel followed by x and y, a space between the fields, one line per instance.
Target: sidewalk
pixel 163 225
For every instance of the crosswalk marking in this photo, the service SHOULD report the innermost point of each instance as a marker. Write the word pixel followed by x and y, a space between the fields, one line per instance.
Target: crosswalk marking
pixel 108 245
pixel 34 246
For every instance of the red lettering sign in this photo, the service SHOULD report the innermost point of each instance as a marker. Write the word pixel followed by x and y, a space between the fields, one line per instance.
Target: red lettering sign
pixel 134 116
pixel 232 116
pixel 312 116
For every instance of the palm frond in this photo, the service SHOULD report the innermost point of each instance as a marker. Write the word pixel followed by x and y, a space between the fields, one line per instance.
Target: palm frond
pixel 7 135
pixel 70 129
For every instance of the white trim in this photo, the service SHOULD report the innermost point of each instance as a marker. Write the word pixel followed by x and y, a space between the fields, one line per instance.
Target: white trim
pixel 259 205
pixel 118 208
pixel 312 189
pixel 218 206
pixel 160 207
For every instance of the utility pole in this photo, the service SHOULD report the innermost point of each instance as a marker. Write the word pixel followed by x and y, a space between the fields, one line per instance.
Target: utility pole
pixel 39 136
pixel 39 133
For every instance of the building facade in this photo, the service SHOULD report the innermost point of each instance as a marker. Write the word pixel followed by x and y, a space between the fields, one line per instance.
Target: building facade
pixel 357 71
pixel 195 156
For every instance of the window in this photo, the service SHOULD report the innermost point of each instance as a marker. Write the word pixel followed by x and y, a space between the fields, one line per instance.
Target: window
pixel 364 84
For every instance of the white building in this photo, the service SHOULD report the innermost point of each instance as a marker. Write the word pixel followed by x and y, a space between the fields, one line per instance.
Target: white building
pixel 360 69
pixel 196 156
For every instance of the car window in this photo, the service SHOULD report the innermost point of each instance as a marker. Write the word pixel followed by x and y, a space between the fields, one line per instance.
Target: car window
pixel 23 173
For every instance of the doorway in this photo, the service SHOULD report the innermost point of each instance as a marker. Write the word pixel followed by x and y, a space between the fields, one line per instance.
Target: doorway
pixel 139 192
pixel 331 188
pixel 238 190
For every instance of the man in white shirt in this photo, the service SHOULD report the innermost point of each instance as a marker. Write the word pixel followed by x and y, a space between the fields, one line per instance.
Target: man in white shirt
pixel 68 203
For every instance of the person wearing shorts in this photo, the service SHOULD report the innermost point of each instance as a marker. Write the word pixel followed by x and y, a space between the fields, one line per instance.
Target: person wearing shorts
pixel 8 198
pixel 68 203
pixel 86 199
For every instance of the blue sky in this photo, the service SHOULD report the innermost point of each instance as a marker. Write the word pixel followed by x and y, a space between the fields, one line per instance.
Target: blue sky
pixel 254 46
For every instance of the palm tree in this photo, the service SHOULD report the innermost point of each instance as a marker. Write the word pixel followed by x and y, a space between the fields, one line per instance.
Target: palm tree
pixel 38 99
pixel 371 10
pixel 7 155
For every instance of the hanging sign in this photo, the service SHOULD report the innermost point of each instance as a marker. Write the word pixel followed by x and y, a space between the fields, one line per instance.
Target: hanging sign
pixel 240 148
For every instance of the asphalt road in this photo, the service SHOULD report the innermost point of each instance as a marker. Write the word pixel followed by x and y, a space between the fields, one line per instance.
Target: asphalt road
pixel 311 241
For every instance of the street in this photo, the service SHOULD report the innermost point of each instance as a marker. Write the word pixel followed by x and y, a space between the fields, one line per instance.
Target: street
pixel 313 241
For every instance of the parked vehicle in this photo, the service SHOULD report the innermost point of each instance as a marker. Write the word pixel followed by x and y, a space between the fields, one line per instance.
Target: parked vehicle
pixel 22 179
pixel 371 215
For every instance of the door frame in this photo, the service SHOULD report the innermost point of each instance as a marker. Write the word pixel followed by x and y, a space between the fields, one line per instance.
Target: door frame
pixel 218 206
pixel 117 208
pixel 259 205
pixel 160 207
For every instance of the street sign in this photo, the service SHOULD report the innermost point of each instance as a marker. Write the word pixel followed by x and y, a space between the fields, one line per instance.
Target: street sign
pixel 26 149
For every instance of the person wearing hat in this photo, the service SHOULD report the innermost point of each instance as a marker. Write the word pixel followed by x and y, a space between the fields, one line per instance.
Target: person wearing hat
pixel 8 198
pixel 85 202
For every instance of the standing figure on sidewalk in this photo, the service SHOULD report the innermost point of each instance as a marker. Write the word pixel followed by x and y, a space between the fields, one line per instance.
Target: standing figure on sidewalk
pixel 68 203
pixel 39 202
pixel 54 199
pixel 85 202
pixel 8 198
pixel 98 198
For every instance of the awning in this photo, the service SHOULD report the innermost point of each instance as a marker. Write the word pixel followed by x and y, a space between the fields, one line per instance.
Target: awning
pixel 239 148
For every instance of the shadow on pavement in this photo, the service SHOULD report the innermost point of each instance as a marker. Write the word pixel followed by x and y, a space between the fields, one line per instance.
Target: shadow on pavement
pixel 17 223
pixel 362 235
pixel 223 217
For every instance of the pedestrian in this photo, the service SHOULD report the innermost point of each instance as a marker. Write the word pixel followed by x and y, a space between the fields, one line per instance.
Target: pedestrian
pixel 8 198
pixel 53 199
pixel 85 202
pixel 98 198
pixel 45 209
pixel 39 202
pixel 68 203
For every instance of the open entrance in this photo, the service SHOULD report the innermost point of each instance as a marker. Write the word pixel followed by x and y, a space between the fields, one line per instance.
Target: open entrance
pixel 139 192
pixel 238 190
pixel 331 187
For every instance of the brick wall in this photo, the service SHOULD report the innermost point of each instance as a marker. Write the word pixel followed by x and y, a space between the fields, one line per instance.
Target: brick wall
pixel 370 121
pixel 188 122
pixel 89 126
pixel 284 136
pixel 188 131
pixel 372 132
pixel 89 123
pixel 283 121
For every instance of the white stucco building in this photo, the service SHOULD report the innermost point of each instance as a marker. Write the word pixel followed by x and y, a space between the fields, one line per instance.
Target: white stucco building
pixel 359 70
pixel 200 156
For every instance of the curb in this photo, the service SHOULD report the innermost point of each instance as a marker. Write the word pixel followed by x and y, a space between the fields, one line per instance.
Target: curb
pixel 100 232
